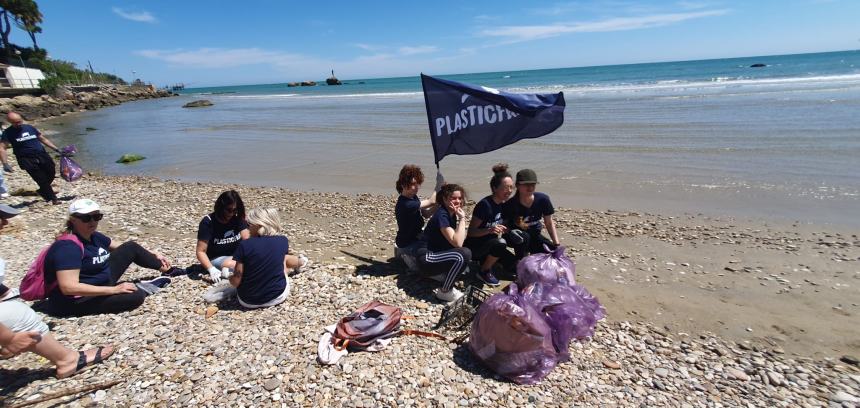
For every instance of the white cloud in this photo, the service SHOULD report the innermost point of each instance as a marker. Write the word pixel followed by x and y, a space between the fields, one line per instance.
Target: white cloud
pixel 692 5
pixel 421 49
pixel 514 34
pixel 222 58
pixel 142 16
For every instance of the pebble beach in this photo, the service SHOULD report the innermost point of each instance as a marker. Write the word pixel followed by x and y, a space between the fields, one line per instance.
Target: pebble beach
pixel 702 311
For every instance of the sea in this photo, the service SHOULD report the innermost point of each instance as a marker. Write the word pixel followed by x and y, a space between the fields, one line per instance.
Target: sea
pixel 780 141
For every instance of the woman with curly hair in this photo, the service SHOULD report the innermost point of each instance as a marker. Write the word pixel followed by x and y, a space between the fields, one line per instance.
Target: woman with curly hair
pixel 446 232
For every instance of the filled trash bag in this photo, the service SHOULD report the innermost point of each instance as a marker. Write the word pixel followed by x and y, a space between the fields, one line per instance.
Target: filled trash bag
pixel 550 268
pixel 69 169
pixel 510 336
pixel 571 313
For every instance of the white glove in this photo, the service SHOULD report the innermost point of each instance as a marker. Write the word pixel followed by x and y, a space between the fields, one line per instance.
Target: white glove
pixel 214 274
pixel 440 181
pixel 226 272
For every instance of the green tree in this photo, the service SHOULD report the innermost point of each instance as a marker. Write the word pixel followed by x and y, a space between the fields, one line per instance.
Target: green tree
pixel 24 14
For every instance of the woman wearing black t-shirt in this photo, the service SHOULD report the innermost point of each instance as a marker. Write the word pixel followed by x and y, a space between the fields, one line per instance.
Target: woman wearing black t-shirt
pixel 219 234
pixel 446 232
pixel 487 226
pixel 410 211
pixel 262 262
pixel 524 214
pixel 87 266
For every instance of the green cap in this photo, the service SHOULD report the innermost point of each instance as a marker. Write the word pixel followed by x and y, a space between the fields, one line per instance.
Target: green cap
pixel 526 176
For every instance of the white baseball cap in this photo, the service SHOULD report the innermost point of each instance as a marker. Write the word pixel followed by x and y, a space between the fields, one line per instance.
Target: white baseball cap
pixel 83 206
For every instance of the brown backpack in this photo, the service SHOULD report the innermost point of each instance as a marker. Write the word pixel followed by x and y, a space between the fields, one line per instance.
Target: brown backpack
pixel 372 321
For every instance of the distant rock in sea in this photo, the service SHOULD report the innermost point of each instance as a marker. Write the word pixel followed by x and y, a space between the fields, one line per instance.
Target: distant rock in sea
pixel 758 65
pixel 308 83
pixel 332 80
pixel 128 158
pixel 292 84
pixel 198 104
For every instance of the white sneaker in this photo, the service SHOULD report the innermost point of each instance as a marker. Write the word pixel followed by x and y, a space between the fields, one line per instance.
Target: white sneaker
pixel 448 296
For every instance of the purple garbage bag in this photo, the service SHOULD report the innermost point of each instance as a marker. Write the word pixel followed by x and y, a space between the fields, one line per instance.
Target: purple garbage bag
pixel 69 169
pixel 510 336
pixel 69 151
pixel 546 268
pixel 571 313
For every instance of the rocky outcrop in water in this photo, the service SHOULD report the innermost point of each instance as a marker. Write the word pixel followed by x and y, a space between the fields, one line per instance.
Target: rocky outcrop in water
pixel 198 104
pixel 69 100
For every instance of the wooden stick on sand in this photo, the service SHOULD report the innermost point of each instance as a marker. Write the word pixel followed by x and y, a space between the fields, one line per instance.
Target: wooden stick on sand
pixel 73 391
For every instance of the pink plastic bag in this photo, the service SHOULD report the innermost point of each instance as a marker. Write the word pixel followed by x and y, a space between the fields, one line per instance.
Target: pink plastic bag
pixel 571 313
pixel 550 268
pixel 510 336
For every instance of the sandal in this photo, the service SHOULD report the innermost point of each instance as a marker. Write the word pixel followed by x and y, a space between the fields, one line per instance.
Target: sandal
pixel 84 365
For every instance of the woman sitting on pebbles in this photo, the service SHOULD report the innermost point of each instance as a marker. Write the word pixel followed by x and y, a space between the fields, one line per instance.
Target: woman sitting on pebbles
pixel 446 232
pixel 262 262
pixel 487 226
pixel 410 211
pixel 88 280
pixel 219 234
pixel 524 213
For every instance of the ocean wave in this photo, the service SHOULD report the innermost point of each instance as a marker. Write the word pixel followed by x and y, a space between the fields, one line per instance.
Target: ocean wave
pixel 312 96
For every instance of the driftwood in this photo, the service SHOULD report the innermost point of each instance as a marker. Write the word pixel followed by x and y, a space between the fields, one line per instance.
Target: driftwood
pixel 64 393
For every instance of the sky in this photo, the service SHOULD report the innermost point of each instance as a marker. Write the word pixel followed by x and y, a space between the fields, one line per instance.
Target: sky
pixel 205 43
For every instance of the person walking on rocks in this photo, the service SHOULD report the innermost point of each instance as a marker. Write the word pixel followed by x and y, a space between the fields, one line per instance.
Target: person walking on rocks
pixel 21 329
pixel 524 213
pixel 446 232
pixel 219 235
pixel 488 225
pixel 88 279
pixel 262 262
pixel 410 212
pixel 28 144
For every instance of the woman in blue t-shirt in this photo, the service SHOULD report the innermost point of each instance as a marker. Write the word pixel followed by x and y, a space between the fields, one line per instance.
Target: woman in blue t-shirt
pixel 88 279
pixel 262 262
pixel 410 211
pixel 487 227
pixel 445 233
pixel 219 234
pixel 524 213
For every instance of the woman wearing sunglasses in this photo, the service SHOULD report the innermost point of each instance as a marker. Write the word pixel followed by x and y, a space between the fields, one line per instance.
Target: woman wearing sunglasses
pixel 219 234
pixel 88 279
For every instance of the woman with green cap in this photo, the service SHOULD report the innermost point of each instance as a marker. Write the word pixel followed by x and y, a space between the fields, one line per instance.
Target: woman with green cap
pixel 526 213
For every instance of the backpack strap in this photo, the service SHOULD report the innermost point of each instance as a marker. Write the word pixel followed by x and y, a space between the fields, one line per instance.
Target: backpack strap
pixel 74 238
pixel 408 332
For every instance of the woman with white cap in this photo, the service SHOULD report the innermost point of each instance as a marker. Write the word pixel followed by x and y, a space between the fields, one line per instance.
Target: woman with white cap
pixel 87 266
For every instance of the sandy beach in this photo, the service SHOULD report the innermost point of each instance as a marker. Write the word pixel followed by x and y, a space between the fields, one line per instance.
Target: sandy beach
pixel 701 311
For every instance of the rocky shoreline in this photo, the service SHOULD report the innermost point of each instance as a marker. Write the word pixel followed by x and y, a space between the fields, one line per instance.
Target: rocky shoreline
pixel 71 100
pixel 169 353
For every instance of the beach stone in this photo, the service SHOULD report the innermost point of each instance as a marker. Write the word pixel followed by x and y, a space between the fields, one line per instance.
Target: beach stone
pixel 272 384
pixel 198 103
pixel 661 372
pixel 849 360
pixel 737 374
pixel 611 364
pixel 842 396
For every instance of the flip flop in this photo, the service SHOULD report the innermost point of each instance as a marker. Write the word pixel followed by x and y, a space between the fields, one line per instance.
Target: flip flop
pixel 84 365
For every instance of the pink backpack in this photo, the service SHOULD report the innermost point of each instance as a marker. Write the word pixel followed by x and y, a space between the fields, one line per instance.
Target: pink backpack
pixel 33 286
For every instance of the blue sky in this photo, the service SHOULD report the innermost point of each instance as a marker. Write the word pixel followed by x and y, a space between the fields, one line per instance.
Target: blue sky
pixel 204 43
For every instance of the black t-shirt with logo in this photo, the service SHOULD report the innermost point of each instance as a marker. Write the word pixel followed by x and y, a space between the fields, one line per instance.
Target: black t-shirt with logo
pixel 221 239
pixel 409 220
pixel 94 266
pixel 518 215
pixel 24 140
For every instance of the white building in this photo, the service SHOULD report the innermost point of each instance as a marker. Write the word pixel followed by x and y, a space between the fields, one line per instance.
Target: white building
pixel 17 77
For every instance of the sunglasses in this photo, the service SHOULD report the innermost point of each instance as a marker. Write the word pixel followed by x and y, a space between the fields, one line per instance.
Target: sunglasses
pixel 89 217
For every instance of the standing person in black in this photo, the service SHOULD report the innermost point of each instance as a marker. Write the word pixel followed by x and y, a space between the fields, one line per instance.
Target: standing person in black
pixel 488 225
pixel 27 143
pixel 525 213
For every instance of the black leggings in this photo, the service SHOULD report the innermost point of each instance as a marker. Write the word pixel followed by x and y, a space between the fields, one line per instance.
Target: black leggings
pixel 529 241
pixel 451 263
pixel 43 171
pixel 120 259
pixel 491 245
